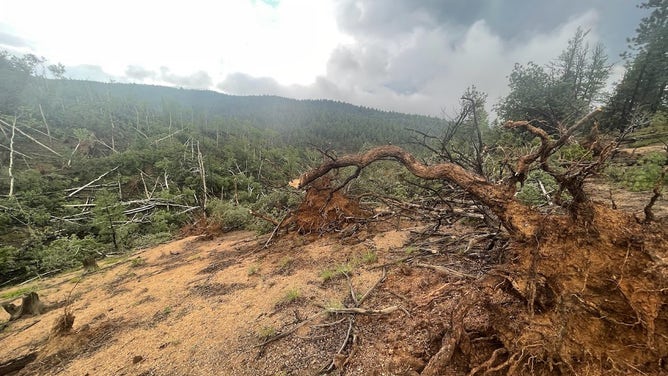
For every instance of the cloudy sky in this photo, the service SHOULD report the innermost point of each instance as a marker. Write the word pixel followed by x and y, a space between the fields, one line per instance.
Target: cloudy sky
pixel 414 56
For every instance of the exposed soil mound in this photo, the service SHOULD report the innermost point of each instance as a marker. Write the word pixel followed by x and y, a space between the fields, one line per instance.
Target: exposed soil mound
pixel 575 301
pixel 325 210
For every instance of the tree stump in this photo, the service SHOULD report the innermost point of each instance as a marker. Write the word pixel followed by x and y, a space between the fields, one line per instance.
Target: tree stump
pixel 90 264
pixel 30 305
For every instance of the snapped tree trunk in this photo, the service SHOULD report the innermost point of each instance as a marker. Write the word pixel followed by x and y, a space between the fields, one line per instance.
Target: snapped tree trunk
pixel 30 305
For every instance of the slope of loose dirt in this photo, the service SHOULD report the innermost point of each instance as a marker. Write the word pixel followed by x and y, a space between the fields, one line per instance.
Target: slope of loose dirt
pixel 201 307
pixel 457 299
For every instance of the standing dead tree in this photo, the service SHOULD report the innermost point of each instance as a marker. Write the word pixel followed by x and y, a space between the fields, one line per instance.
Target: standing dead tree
pixel 580 292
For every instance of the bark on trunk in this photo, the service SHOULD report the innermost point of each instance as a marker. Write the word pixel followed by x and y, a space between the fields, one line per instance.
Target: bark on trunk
pixel 517 218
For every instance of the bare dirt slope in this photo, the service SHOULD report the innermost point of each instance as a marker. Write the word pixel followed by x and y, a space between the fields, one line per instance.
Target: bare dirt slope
pixel 202 307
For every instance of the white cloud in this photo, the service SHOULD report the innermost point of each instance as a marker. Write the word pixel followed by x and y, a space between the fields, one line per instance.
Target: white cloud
pixel 422 70
pixel 407 57
pixel 290 42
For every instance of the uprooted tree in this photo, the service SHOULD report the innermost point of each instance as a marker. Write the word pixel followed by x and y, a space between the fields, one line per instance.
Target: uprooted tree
pixel 582 290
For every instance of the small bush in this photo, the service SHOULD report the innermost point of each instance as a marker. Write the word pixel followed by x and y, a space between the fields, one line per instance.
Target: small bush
pixel 253 270
pixel 370 257
pixel 266 332
pixel 228 216
pixel 137 262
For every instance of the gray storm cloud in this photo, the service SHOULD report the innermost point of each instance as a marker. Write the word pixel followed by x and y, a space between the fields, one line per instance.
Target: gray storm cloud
pixel 419 56
pixel 11 40
pixel 197 80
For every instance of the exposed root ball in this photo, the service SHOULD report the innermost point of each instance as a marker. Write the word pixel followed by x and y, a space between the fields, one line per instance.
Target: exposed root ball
pixel 63 324
pixel 323 211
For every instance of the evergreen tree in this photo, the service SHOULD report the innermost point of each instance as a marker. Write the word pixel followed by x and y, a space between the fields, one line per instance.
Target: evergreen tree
pixel 642 91
pixel 559 92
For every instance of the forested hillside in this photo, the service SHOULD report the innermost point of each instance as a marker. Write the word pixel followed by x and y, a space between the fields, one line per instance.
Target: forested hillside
pixel 90 168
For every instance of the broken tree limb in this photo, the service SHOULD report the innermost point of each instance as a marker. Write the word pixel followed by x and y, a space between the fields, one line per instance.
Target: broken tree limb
pixel 366 295
pixel 498 198
pixel 362 311
pixel 31 138
pixel 657 192
pixel 48 131
pixel 92 181
pixel 14 365
pixel 262 216
pixel 11 160
pixel 290 331
pixel 444 270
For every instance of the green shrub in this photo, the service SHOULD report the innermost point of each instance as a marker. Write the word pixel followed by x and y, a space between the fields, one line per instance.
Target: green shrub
pixel 68 252
pixel 228 216
pixel 641 177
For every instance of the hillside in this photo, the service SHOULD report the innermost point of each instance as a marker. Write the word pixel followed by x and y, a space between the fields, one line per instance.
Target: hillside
pixel 161 157
pixel 384 295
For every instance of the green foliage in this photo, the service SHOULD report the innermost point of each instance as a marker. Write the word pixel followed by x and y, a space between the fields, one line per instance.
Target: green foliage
pixel 641 177
pixel 68 252
pixel 574 152
pixel 655 133
pixel 228 216
pixel 8 260
pixel 642 90
pixel 560 92
pixel 18 292
pixel 531 192
pixel 137 262
pixel 151 239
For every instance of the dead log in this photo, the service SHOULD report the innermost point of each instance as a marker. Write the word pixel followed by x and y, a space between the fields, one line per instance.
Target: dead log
pixel 517 218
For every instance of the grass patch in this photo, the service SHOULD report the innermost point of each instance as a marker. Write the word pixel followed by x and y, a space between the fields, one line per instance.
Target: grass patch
pixel 339 271
pixel 642 176
pixel 76 279
pixel 253 270
pixel 291 296
pixel 266 332
pixel 18 292
pixel 137 262
pixel 370 257
pixel 334 304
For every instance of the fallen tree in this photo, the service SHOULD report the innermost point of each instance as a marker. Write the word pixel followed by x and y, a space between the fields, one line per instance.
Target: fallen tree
pixel 580 292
